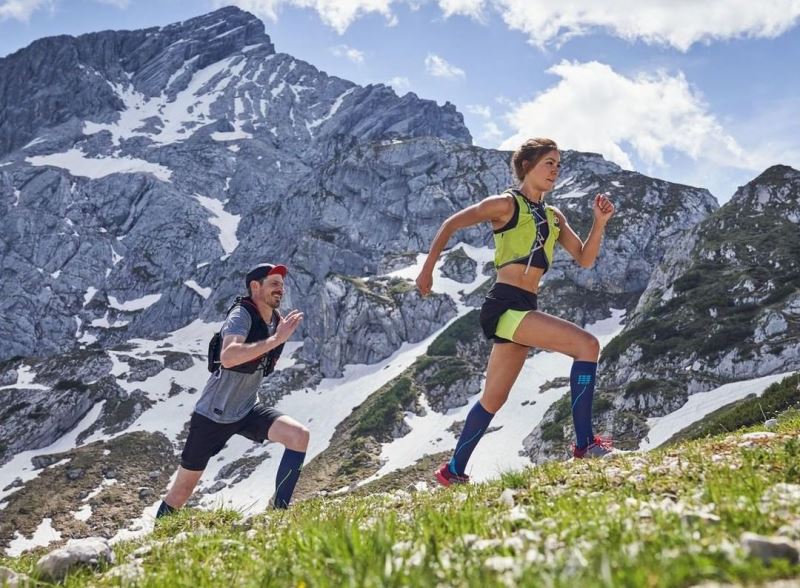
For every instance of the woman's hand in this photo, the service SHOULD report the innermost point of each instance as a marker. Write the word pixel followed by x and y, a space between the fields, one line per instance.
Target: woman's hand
pixel 425 281
pixel 603 209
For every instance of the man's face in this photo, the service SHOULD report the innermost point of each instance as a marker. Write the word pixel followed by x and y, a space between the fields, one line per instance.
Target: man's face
pixel 271 290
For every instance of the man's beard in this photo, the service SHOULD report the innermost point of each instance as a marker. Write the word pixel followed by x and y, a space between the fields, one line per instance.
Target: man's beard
pixel 270 301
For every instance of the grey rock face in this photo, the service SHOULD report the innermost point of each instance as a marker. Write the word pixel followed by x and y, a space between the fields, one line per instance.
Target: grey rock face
pixel 177 361
pixel 77 69
pixel 721 308
pixel 240 469
pixel 78 552
pixel 450 382
pixel 366 321
pixel 459 266
pixel 141 369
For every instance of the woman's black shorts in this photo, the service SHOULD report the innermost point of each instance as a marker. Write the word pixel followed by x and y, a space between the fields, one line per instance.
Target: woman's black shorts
pixel 501 299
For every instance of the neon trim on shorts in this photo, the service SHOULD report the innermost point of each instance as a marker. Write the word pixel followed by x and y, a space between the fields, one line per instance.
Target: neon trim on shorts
pixel 508 323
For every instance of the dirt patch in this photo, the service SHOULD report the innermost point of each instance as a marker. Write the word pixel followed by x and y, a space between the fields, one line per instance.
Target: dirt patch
pixel 140 464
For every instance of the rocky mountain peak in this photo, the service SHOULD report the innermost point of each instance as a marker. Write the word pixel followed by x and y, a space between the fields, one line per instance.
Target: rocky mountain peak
pixel 778 185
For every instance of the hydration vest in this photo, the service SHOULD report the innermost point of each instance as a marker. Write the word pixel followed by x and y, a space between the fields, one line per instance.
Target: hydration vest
pixel 259 330
pixel 517 241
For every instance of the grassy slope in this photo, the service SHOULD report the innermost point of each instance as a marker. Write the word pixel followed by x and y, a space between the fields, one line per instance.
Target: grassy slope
pixel 636 520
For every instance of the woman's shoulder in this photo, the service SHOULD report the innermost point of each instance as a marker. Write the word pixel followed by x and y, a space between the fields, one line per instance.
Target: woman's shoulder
pixel 559 215
pixel 503 199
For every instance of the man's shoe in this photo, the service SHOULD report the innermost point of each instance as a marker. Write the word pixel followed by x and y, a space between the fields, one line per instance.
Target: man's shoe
pixel 445 477
pixel 601 447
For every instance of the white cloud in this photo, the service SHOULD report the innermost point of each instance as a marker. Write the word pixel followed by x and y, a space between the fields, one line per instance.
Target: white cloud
pixel 400 84
pixel 439 68
pixel 479 110
pixel 473 8
pixel 490 134
pixel 338 14
pixel 350 53
pixel 594 108
pixel 679 23
pixel 21 9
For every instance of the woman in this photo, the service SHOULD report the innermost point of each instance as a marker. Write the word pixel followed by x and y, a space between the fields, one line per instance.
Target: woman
pixel 525 233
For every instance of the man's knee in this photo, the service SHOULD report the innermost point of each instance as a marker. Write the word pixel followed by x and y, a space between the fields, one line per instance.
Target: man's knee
pixel 293 436
pixel 298 438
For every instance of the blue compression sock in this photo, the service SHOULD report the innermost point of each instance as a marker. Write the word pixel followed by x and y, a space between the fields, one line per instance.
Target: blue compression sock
pixel 288 474
pixel 477 422
pixel 581 383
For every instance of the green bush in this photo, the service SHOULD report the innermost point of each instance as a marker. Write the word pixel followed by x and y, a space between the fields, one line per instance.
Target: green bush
pixel 463 329
pixel 385 409
pixel 552 432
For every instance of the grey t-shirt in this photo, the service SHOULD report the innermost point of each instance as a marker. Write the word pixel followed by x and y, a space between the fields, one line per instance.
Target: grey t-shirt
pixel 228 395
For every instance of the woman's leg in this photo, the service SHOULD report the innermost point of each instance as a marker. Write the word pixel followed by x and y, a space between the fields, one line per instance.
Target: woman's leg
pixel 541 330
pixel 505 363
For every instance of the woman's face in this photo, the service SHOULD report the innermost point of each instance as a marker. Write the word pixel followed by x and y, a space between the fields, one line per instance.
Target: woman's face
pixel 543 175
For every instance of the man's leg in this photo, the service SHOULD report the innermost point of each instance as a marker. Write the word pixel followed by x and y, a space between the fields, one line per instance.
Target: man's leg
pixel 294 436
pixel 181 490
pixel 206 439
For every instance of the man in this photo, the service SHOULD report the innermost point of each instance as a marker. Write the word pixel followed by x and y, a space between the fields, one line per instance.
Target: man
pixel 252 338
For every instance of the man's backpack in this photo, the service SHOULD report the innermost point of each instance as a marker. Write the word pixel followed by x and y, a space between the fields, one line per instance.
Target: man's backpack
pixel 259 331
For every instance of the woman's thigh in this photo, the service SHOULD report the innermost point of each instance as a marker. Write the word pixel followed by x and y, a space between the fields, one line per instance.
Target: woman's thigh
pixel 543 331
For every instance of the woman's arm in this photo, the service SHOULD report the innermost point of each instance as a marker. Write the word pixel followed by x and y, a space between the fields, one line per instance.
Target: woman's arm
pixel 585 252
pixel 494 209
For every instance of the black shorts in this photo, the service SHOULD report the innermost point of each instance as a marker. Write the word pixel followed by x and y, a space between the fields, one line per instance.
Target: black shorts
pixel 503 297
pixel 207 438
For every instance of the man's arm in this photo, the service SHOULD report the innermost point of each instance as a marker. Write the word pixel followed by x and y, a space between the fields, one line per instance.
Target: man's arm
pixel 236 352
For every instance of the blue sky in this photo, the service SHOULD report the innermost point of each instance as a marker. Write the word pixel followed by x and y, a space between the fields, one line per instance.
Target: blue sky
pixel 703 93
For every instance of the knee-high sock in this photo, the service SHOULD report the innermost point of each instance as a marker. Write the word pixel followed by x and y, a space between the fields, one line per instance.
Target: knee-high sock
pixel 165 509
pixel 475 426
pixel 288 474
pixel 581 383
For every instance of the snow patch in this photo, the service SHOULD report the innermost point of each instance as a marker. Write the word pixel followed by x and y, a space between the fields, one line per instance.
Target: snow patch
pixel 83 513
pixel 226 222
pixel 25 377
pixel 134 305
pixel 77 163
pixel 204 292
pixel 702 403
pixel 43 535
pixel 180 117
pixel 334 108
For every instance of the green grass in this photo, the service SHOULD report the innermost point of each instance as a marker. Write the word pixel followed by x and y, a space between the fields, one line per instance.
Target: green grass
pixel 631 521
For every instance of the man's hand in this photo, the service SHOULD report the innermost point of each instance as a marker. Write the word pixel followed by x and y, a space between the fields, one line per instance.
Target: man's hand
pixel 287 325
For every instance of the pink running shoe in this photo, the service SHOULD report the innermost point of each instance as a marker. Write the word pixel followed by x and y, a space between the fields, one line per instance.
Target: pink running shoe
pixel 601 447
pixel 445 477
